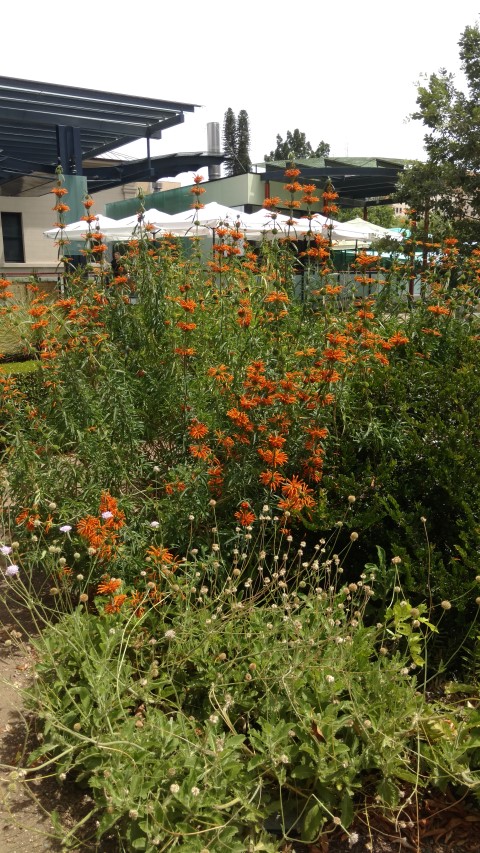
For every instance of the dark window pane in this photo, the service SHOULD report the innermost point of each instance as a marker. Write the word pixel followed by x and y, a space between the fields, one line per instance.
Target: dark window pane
pixel 13 238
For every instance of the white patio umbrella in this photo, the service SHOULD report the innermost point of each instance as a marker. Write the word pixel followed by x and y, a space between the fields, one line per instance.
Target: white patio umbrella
pixel 130 226
pixel 208 218
pixel 368 230
pixel 264 222
pixel 329 228
pixel 268 223
pixel 76 230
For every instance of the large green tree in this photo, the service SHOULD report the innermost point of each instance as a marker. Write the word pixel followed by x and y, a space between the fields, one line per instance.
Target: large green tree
pixel 229 141
pixel 236 142
pixel 244 164
pixel 296 146
pixel 449 182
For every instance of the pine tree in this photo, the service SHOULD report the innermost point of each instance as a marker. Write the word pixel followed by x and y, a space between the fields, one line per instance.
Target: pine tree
pixel 230 141
pixel 243 162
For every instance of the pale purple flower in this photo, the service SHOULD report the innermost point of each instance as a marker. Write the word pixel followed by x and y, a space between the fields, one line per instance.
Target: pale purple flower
pixel 12 570
pixel 5 550
pixel 107 514
pixel 65 528
pixel 155 524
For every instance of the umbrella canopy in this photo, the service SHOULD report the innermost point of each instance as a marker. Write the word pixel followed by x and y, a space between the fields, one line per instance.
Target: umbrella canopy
pixel 208 218
pixel 149 217
pixel 368 230
pixel 76 230
pixel 130 226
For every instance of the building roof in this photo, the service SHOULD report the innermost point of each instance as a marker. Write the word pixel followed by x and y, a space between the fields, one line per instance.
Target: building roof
pixel 357 180
pixel 44 124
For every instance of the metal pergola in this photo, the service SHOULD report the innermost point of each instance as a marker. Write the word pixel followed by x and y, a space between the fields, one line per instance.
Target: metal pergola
pixel 359 182
pixel 44 125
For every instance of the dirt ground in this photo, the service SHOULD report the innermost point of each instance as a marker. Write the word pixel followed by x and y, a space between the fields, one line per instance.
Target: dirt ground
pixel 26 826
pixel 25 809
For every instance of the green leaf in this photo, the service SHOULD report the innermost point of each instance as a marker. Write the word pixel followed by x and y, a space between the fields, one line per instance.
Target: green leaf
pixel 347 810
pixel 388 791
pixel 313 822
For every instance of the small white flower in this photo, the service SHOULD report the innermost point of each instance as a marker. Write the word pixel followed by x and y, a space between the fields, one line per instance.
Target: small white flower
pixel 65 528
pixel 329 679
pixel 195 791
pixel 170 634
pixel 174 788
pixel 5 550
pixel 154 524
pixel 107 514
pixel 12 570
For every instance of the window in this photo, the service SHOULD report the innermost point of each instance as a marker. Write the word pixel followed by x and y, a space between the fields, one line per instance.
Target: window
pixel 12 230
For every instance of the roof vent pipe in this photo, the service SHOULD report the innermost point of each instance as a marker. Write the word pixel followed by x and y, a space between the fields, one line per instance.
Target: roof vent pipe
pixel 213 147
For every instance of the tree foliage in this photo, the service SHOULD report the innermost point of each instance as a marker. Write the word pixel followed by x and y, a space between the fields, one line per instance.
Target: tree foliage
pixel 229 140
pixel 244 164
pixel 296 146
pixel 383 215
pixel 449 182
pixel 236 142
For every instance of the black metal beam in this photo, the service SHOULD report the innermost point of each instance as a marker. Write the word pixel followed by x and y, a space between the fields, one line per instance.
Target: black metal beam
pixel 71 95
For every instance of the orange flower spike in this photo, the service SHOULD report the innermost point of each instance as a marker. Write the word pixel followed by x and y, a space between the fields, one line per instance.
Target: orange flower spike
pixel 273 201
pixel 115 605
pixel 59 191
pixel 198 430
pixel 162 555
pixel 109 586
pixel 188 305
pixel 245 515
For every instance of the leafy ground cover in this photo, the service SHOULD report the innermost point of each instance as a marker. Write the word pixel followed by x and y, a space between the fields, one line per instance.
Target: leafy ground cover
pixel 242 509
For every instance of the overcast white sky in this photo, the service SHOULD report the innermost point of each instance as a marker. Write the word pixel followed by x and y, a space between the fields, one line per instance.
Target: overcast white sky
pixel 343 71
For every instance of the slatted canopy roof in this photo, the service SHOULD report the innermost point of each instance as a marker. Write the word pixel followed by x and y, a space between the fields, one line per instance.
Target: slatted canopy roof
pixel 358 181
pixel 43 125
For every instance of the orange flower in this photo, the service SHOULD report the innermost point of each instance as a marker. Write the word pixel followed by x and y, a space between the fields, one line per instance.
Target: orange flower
pixel 161 555
pixel 274 458
pixel 276 441
pixel 197 429
pixel 273 201
pixel 294 187
pixel 271 479
pixel 200 451
pixel 398 339
pixel 109 586
pixel 188 305
pixel 335 355
pixel 186 352
pixel 115 605
pixel 439 309
pixel 245 515
pixel 276 296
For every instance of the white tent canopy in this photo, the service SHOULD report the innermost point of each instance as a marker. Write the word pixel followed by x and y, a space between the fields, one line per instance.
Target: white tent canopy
pixel 131 226
pixel 208 218
pixel 368 230
pixel 77 230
